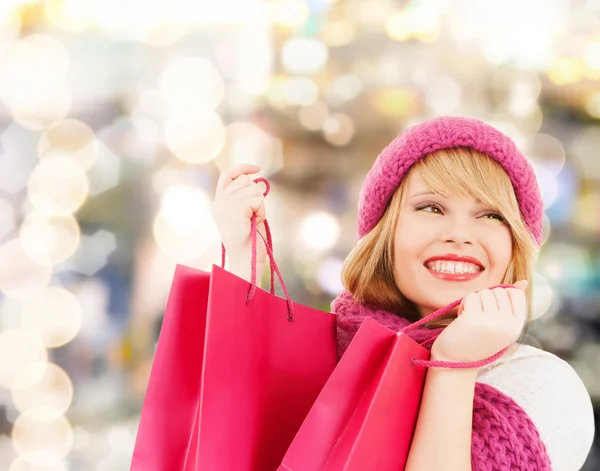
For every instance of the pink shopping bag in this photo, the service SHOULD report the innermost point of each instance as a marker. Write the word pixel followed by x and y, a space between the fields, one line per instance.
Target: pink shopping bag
pixel 235 373
pixel 365 416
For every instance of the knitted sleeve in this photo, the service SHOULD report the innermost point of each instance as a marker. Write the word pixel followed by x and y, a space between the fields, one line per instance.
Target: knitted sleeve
pixel 553 396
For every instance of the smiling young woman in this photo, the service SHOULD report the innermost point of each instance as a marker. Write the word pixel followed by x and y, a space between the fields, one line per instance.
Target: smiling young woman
pixel 449 209
pixel 454 189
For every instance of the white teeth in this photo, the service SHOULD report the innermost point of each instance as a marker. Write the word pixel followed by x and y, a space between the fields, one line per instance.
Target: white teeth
pixel 453 267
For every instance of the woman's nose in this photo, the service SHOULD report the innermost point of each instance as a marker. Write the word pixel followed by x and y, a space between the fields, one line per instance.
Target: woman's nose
pixel 458 231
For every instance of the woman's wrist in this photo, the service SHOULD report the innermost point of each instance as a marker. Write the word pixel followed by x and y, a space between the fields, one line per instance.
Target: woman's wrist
pixel 438 356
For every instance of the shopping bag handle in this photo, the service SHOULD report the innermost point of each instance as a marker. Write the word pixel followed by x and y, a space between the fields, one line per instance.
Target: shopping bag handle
pixel 450 364
pixel 272 264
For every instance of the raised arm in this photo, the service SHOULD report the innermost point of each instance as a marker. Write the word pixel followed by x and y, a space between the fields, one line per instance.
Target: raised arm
pixel 442 438
pixel 237 198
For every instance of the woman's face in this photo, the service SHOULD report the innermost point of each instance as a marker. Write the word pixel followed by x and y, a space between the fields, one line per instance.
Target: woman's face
pixel 430 225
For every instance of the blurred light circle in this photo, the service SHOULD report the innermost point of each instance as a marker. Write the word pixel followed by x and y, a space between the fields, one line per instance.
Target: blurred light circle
pixel 304 55
pixel 49 239
pixel 42 385
pixel 159 23
pixel 583 151
pixel 547 150
pixel 567 265
pixel 338 129
pixel 10 24
pixel 592 105
pixel 39 432
pixel 345 88
pixel 239 100
pixel 543 297
pixel 516 90
pixel 247 143
pixel 289 12
pixel 20 277
pixel 587 212
pixel 567 70
pixel 58 186
pixel 276 92
pixel 191 82
pixel 422 23
pixel 300 91
pixel 32 81
pixel 71 15
pixel 183 208
pixel 37 462
pixel 592 54
pixel 442 95
pixel 7 217
pixel 195 137
pixel 145 143
pixel 184 245
pixel 147 103
pixel 398 26
pixel 54 316
pixel 395 102
pixel 547 183
pixel 162 34
pixel 329 275
pixel 70 138
pixel 119 437
pixel 40 109
pixel 546 229
pixel 530 121
pixel 313 116
pixel 17 350
pixel 31 65
pixel 319 231
pixel 338 32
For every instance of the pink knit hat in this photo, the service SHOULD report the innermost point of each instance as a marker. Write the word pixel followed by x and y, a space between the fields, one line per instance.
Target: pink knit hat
pixel 442 133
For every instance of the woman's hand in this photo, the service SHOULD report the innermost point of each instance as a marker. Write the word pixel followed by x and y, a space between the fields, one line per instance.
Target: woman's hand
pixel 488 321
pixel 237 198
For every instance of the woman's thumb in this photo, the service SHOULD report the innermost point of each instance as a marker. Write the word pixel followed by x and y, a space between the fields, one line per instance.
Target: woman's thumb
pixel 522 284
pixel 461 306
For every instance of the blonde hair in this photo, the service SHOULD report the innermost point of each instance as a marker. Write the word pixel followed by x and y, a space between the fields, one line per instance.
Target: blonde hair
pixel 461 172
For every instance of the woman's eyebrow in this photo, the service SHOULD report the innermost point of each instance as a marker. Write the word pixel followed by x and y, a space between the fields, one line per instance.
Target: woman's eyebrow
pixel 425 193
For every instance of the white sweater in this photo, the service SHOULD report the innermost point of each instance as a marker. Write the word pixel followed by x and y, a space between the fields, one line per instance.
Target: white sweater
pixel 551 393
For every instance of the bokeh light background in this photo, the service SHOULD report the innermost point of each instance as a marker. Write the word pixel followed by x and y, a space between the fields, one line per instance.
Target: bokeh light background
pixel 116 117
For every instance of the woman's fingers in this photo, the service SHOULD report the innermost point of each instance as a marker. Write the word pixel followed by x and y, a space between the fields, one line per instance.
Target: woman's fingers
pixel 225 178
pixel 488 300
pixel 255 204
pixel 252 189
pixel 472 303
pixel 237 184
pixel 503 300
pixel 518 301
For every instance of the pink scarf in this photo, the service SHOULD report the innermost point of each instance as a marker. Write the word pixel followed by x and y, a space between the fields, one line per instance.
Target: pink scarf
pixel 504 437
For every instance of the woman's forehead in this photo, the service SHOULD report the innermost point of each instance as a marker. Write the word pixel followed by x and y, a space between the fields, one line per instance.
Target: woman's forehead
pixel 417 187
pixel 416 184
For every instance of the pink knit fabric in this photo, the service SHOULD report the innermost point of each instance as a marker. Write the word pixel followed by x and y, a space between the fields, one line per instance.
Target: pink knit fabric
pixel 504 437
pixel 442 133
